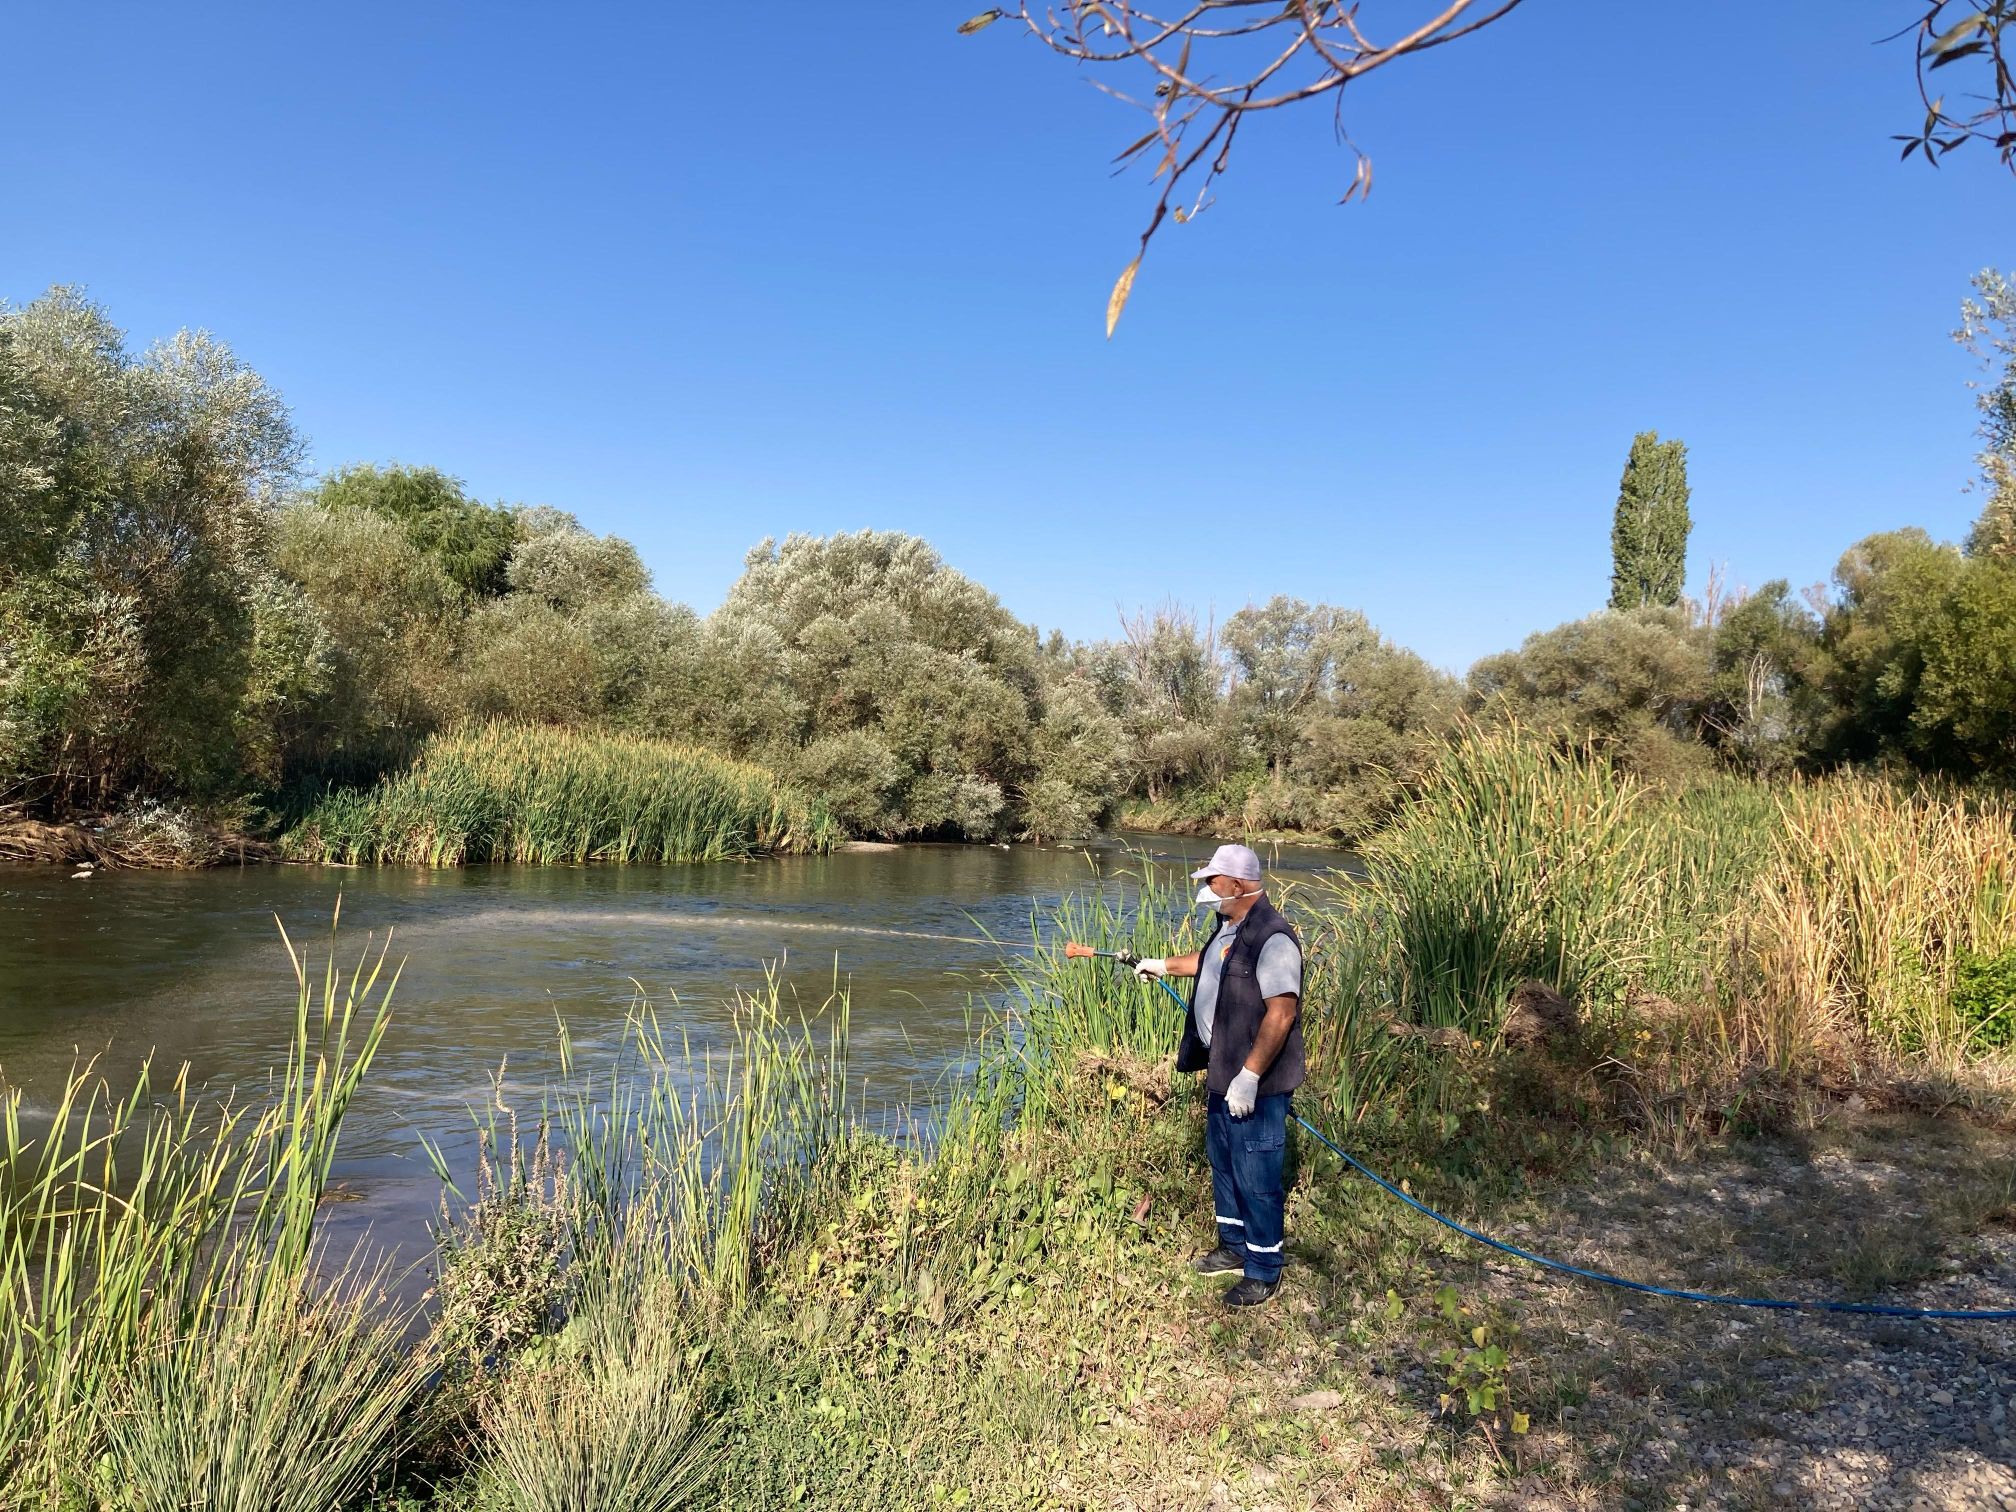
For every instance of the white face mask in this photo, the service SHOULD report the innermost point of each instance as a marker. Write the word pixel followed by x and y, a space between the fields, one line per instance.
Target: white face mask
pixel 1209 899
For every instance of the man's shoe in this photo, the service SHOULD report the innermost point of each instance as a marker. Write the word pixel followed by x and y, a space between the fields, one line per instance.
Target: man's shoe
pixel 1219 1261
pixel 1251 1293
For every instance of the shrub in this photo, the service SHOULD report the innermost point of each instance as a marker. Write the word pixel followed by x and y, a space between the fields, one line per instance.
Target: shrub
pixel 1984 998
pixel 611 1424
pixel 501 1269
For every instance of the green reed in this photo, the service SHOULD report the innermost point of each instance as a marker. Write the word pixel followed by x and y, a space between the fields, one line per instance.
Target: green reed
pixel 503 792
pixel 716 1149
pixel 154 1243
pixel 1521 860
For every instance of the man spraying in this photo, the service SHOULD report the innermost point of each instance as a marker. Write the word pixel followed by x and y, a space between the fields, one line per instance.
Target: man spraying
pixel 1244 1032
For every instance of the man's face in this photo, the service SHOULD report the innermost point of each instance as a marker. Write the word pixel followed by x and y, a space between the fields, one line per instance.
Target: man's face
pixel 1227 887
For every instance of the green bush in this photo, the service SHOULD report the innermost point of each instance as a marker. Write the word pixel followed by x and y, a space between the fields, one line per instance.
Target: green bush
pixel 1984 998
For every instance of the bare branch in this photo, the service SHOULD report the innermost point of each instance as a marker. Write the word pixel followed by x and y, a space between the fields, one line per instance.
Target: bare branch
pixel 1213 62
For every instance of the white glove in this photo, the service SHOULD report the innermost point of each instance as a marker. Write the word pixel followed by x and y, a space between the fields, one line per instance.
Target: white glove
pixel 1241 1095
pixel 1152 970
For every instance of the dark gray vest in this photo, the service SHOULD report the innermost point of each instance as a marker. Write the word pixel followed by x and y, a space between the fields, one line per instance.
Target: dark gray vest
pixel 1236 1022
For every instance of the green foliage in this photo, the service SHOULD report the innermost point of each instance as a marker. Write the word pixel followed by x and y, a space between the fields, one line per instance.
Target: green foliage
pixel 1522 860
pixel 1283 655
pixel 519 793
pixel 1984 998
pixel 858 778
pixel 1080 760
pixel 567 568
pixel 1475 1365
pixel 1918 660
pixel 1345 721
pixel 470 542
pixel 290 1403
pixel 873 634
pixel 389 617
pixel 170 1329
pixel 1967 690
pixel 134 494
pixel 1988 330
pixel 1634 682
pixel 501 1276
pixel 628 660
pixel 617 1426
pixel 1648 541
pixel 1760 711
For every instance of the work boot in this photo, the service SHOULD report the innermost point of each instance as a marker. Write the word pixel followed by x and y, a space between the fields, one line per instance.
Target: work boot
pixel 1248 1292
pixel 1218 1261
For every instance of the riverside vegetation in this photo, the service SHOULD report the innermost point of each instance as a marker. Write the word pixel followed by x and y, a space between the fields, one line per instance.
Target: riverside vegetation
pixel 194 648
pixel 692 1277
pixel 513 793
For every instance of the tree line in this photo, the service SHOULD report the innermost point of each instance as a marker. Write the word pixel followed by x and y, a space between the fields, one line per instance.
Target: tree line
pixel 182 620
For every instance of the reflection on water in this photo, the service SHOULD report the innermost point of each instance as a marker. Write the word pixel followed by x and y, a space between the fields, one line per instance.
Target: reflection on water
pixel 189 966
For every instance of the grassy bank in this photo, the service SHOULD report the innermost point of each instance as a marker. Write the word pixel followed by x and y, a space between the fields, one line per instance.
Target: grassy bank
pixel 693 1280
pixel 532 794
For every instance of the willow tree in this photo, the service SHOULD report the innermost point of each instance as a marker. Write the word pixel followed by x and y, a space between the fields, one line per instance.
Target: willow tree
pixel 1648 539
pixel 135 507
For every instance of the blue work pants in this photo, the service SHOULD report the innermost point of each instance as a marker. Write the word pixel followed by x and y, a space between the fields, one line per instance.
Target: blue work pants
pixel 1246 1159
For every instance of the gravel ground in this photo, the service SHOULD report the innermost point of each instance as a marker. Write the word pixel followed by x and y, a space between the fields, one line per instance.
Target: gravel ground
pixel 1328 1401
pixel 1709 1407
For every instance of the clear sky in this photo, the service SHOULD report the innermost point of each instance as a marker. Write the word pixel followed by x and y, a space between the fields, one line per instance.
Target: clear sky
pixel 707 274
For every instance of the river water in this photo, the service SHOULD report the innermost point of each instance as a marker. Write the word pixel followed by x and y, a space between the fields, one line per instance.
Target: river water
pixel 189 967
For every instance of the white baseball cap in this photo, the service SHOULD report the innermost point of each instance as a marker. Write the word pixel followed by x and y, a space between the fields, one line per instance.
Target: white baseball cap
pixel 1235 861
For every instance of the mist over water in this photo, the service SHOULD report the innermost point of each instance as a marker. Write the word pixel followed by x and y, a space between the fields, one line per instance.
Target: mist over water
pixel 189 966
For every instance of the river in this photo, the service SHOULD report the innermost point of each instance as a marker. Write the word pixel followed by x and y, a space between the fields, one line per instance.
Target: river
pixel 189 967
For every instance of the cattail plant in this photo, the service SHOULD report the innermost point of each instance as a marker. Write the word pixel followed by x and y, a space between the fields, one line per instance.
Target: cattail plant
pixel 157 1249
pixel 523 793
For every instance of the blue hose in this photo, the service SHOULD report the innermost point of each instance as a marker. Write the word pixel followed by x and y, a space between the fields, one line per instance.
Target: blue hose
pixel 1780 1304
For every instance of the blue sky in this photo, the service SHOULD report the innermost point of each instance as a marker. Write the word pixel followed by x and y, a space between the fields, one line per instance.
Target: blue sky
pixel 797 268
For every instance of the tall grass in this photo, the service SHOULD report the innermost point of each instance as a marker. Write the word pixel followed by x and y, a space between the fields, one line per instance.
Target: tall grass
pixel 531 794
pixel 1784 926
pixel 712 1149
pixel 289 1401
pixel 689 1171
pixel 1522 860
pixel 157 1329
pixel 613 1420
pixel 1873 896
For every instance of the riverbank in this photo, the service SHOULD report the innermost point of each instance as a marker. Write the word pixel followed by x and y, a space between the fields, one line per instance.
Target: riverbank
pixel 704 1277
pixel 149 835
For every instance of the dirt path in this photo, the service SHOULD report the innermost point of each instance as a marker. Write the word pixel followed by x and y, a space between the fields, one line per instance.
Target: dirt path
pixel 1721 1407
pixel 1332 1401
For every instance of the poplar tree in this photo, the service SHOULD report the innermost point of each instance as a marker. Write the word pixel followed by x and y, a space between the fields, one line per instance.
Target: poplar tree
pixel 1648 541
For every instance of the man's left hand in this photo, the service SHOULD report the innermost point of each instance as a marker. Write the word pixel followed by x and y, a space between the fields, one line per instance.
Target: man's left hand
pixel 1242 1094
